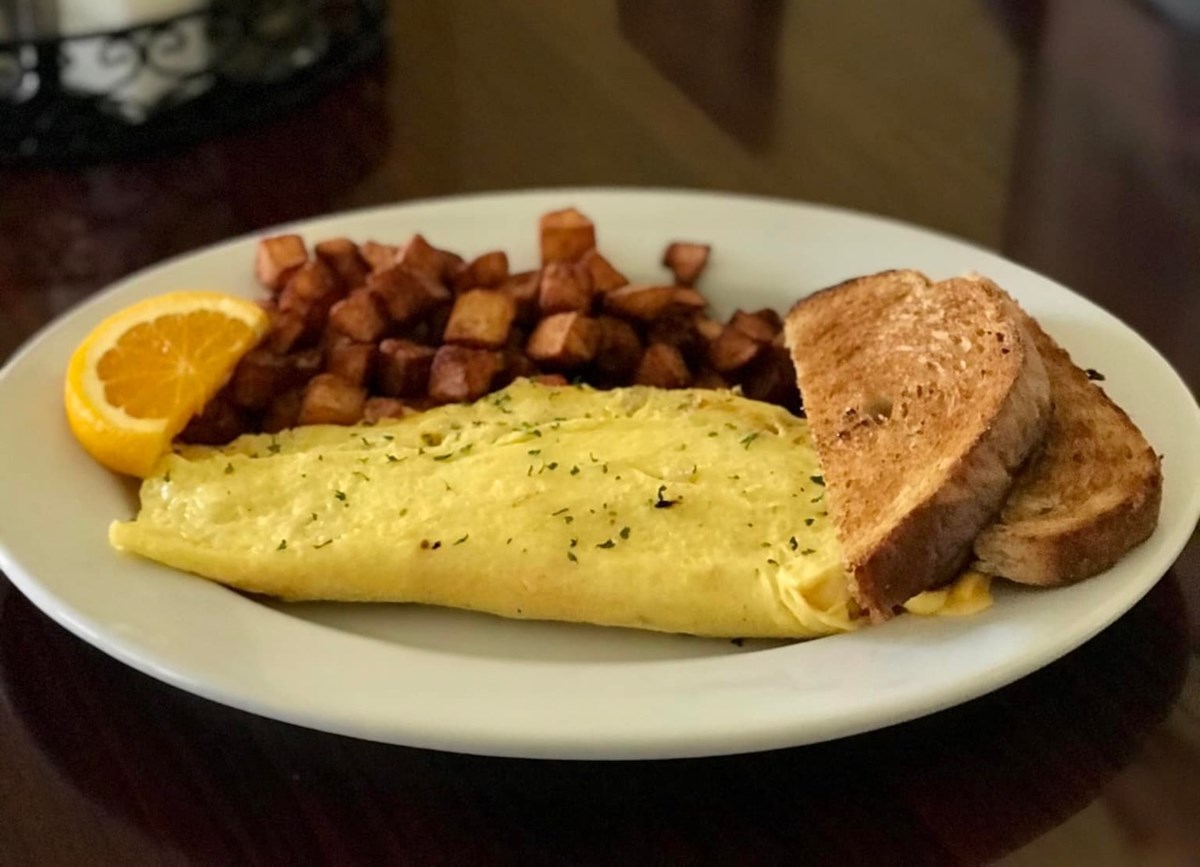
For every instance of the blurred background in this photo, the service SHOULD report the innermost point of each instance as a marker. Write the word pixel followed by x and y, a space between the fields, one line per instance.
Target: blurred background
pixel 1062 133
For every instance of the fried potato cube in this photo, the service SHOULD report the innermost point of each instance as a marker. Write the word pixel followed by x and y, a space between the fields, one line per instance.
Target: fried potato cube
pixel 359 316
pixel 379 256
pixel 772 378
pixel 424 258
pixel 523 288
pixel 662 366
pixel 620 349
pixel 288 330
pixel 488 271
pixel 277 257
pixel 707 327
pixel 706 377
pixel 329 399
pixel 565 235
pixel 311 291
pixel 379 408
pixel 342 257
pixel 605 277
pixel 732 350
pixel 461 374
pixel 283 412
pixel 481 318
pixel 403 368
pixel 564 287
pixel 564 340
pixel 647 303
pixel 218 423
pixel 258 377
pixel 407 294
pixel 679 330
pixel 756 326
pixel 516 365
pixel 351 360
pixel 550 379
pixel 686 261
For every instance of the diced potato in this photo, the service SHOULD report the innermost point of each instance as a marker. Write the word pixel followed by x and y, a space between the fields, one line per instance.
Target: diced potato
pixel 422 257
pixel 276 259
pixel 662 366
pixel 564 287
pixel 620 349
pixel 565 235
pixel 351 360
pixel 516 365
pixel 772 378
pixel 732 350
pixel 283 411
pixel 406 293
pixel 258 377
pixel 379 256
pixel 342 257
pixel 706 377
pixel 564 340
pixel 403 368
pixel 487 271
pixel 550 379
pixel 288 331
pixel 481 318
pixel 359 316
pixel 523 288
pixel 755 326
pixel 605 277
pixel 305 365
pixel 686 261
pixel 640 301
pixel 219 422
pixel 686 299
pixel 462 374
pixel 708 328
pixel 379 408
pixel 329 399
pixel 310 291
pixel 679 330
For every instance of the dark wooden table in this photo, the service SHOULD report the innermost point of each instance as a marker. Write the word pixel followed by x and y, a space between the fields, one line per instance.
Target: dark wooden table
pixel 1065 133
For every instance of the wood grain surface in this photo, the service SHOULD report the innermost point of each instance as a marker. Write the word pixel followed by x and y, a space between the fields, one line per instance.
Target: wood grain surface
pixel 1063 133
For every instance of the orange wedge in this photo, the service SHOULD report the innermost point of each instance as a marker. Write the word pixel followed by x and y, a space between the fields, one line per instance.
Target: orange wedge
pixel 141 374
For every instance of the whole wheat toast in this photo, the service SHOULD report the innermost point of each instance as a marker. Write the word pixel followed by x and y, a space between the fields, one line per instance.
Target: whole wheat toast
pixel 923 400
pixel 1089 494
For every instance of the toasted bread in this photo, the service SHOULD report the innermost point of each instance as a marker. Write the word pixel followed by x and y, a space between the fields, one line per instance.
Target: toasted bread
pixel 1089 494
pixel 923 399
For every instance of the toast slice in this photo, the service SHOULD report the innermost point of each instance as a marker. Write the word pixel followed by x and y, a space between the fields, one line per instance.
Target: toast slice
pixel 1089 494
pixel 923 400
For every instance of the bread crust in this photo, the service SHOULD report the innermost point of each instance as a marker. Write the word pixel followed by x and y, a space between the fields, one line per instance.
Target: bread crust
pixel 927 537
pixel 1090 494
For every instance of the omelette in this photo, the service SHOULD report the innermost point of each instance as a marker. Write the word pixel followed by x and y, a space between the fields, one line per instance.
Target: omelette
pixel 688 511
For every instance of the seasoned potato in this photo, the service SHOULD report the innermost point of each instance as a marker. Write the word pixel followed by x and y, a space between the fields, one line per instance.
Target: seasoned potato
pixel 605 277
pixel 663 366
pixel 329 399
pixel 564 287
pixel 732 350
pixel 462 374
pixel 619 350
pixel 488 270
pixel 481 318
pixel 565 236
pixel 342 257
pixel 403 368
pixel 359 316
pixel 276 259
pixel 407 293
pixel 379 256
pixel 686 261
pixel 756 326
pixel 564 340
pixel 351 360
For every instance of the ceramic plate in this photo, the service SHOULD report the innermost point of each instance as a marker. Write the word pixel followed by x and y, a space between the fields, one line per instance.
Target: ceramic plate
pixel 473 683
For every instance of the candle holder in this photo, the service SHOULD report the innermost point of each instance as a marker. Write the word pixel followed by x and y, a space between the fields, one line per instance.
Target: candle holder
pixel 76 100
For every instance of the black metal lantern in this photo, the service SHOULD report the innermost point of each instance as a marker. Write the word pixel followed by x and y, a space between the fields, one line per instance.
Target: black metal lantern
pixel 97 96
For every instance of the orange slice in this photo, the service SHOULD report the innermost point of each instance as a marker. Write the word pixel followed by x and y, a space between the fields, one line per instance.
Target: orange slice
pixel 142 373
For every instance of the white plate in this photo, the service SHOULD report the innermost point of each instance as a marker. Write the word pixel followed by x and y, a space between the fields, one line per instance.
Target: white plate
pixel 472 683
